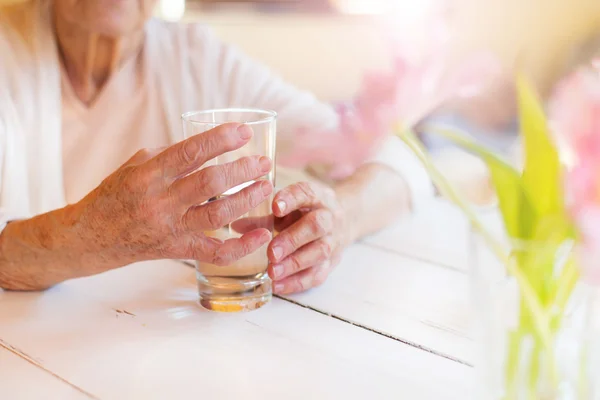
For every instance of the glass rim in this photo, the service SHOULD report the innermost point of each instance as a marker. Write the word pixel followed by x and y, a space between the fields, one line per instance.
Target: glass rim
pixel 267 115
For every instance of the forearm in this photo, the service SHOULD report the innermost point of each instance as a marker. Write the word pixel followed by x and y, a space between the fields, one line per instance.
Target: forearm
pixel 373 197
pixel 40 252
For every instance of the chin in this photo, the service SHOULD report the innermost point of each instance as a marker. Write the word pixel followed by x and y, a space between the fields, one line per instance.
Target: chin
pixel 106 17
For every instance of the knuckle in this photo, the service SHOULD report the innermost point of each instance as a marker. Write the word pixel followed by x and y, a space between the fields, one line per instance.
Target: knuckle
pixel 305 189
pixel 216 215
pixel 211 139
pixel 209 181
pixel 313 222
pixel 319 222
pixel 140 157
pixel 295 264
pixel 325 218
pixel 229 174
pixel 190 248
pixel 183 226
pixel 190 150
pixel 288 240
pixel 305 283
pixel 198 249
pixel 254 197
pixel 237 205
pixel 142 154
pixel 326 248
pixel 247 167
pixel 187 222
pixel 127 183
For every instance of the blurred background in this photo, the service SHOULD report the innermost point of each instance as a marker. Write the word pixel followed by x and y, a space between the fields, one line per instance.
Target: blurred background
pixel 310 41
pixel 326 46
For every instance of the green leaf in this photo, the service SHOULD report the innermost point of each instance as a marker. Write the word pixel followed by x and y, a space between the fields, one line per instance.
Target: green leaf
pixel 542 169
pixel 552 233
pixel 517 210
pixel 515 205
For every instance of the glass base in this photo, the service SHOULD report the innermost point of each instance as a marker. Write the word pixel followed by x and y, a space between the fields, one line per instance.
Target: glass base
pixel 234 294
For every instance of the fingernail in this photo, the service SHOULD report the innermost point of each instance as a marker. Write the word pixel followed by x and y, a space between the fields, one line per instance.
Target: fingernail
pixel 277 287
pixel 281 205
pixel 265 164
pixel 277 252
pixel 277 270
pixel 245 131
pixel 267 235
pixel 266 187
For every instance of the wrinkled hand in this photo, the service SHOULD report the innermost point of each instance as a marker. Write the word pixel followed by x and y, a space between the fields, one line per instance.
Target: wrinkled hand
pixel 150 208
pixel 312 236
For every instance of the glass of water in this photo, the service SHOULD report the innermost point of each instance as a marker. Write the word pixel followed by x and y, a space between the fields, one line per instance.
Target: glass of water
pixel 243 285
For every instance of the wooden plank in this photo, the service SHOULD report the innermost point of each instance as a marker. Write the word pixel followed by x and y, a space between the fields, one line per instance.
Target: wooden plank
pixel 414 301
pixel 438 233
pixel 20 379
pixel 137 333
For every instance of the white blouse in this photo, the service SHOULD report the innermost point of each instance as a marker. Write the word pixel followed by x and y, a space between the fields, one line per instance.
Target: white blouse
pixel 54 149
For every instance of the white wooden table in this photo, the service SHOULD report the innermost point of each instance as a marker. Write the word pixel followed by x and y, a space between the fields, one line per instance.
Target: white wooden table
pixel 390 323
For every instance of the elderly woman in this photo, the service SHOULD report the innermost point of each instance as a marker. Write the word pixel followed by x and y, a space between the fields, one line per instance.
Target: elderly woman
pixel 94 174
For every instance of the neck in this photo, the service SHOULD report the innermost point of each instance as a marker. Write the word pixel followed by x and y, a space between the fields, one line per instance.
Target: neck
pixel 90 58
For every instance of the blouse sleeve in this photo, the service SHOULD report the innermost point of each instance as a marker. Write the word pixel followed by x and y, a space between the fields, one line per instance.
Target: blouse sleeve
pixel 309 131
pixel 8 212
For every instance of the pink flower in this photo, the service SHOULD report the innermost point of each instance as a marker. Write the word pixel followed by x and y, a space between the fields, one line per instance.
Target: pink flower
pixel 404 96
pixel 587 221
pixel 575 114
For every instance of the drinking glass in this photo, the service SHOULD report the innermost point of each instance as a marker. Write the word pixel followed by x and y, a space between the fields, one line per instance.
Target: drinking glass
pixel 244 285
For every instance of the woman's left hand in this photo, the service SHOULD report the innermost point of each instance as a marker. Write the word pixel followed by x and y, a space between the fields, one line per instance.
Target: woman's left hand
pixel 312 234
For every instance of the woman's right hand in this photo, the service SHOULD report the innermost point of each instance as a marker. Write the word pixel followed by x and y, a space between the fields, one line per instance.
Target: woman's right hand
pixel 150 207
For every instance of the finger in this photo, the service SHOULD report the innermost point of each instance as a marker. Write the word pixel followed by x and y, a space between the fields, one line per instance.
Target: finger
pixel 245 225
pixel 303 280
pixel 215 180
pixel 217 214
pixel 314 253
pixel 190 154
pixel 144 155
pixel 298 196
pixel 282 224
pixel 224 253
pixel 310 227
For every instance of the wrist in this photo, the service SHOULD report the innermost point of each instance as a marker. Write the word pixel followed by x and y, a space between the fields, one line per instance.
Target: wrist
pixel 348 213
pixel 42 251
pixel 371 199
pixel 31 255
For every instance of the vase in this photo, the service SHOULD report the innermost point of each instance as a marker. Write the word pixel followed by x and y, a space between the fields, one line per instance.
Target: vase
pixel 535 322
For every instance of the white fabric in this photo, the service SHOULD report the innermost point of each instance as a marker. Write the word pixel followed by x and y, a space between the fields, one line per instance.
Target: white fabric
pixel 93 144
pixel 181 68
pixel 395 154
pixel 30 142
